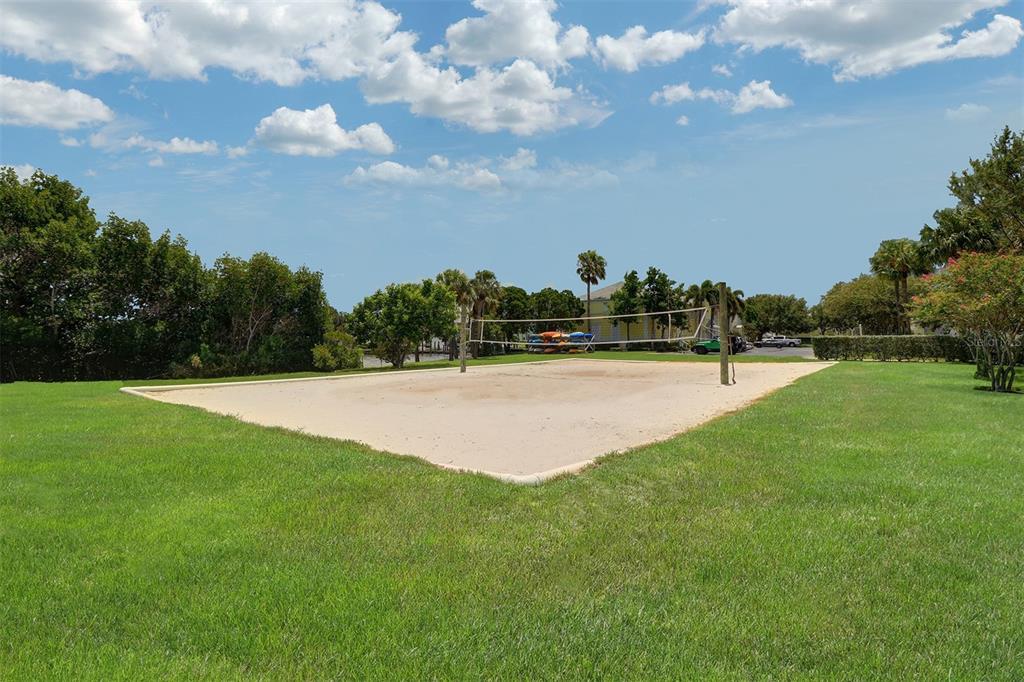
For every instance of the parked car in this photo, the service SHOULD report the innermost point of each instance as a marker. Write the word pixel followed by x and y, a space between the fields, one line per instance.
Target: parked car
pixel 737 345
pixel 777 342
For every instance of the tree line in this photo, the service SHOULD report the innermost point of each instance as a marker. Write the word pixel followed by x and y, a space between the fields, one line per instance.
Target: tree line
pixel 84 299
pixel 963 274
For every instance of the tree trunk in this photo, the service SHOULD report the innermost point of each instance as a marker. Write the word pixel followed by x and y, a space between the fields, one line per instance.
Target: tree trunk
pixel 588 308
pixel 904 301
pixel 899 305
pixel 462 340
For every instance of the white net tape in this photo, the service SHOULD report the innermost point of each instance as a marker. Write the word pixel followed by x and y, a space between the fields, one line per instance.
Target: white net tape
pixel 540 338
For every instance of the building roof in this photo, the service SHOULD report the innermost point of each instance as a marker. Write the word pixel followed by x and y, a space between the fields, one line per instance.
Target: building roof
pixel 602 294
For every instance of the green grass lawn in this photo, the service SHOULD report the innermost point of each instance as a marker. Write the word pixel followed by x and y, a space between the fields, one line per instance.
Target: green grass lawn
pixel 866 522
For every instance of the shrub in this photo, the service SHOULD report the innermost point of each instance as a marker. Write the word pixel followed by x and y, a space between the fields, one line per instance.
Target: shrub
pixel 933 348
pixel 338 351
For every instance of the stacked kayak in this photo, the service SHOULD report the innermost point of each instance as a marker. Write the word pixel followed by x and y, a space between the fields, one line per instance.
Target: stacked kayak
pixel 560 342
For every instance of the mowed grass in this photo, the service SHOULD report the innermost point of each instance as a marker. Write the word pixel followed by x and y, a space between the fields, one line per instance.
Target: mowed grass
pixel 865 522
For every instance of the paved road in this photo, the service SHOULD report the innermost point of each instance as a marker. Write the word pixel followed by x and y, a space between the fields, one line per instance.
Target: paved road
pixel 799 352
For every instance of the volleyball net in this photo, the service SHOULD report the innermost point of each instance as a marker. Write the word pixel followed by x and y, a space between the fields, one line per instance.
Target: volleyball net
pixel 588 333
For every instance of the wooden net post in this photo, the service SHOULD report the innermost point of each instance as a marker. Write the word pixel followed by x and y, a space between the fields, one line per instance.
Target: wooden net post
pixel 723 334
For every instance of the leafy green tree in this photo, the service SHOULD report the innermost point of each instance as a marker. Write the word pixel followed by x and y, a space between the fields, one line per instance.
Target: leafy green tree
pixel 898 259
pixel 779 313
pixel 47 267
pixel 514 305
pixel 79 301
pixel 262 317
pixel 981 297
pixel 658 294
pixel 549 303
pixel 989 215
pixel 864 304
pixel 146 305
pixel 439 321
pixel 394 320
pixel 627 301
pixel 590 266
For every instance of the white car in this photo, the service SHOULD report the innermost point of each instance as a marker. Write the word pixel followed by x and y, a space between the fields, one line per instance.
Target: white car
pixel 777 342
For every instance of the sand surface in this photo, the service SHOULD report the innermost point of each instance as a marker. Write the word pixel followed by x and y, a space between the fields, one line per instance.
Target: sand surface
pixel 521 422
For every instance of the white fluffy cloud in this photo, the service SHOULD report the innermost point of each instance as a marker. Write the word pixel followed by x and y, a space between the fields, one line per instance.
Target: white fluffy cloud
pixel 521 97
pixel 315 132
pixel 512 29
pixel 753 95
pixel 636 48
pixel 38 103
pixel 517 172
pixel 523 158
pixel 280 42
pixel 967 112
pixel 683 121
pixel 870 38
pixel 515 52
pixel 436 173
pixel 721 70
pixel 176 145
pixel 670 94
pixel 759 95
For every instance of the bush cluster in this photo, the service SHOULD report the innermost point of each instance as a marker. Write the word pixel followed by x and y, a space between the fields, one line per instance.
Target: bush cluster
pixel 921 348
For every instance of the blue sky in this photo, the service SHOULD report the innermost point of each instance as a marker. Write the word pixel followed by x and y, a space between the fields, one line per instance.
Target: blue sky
pixel 511 136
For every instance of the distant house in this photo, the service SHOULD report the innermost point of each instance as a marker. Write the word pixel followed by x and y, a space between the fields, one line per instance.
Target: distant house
pixel 608 330
pixel 643 328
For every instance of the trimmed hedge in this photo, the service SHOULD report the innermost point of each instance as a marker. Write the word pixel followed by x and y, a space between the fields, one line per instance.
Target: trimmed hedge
pixel 933 348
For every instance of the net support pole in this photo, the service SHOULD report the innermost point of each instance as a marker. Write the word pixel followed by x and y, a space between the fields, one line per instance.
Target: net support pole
pixel 723 334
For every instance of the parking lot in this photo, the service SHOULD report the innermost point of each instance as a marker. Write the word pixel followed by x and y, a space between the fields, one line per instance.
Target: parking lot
pixel 798 352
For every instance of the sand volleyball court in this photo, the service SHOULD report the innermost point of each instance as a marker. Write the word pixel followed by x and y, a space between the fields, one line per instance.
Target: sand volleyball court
pixel 523 422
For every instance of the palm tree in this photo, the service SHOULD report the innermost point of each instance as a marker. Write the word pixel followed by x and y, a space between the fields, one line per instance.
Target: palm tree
pixel 590 267
pixel 898 259
pixel 486 295
pixel 700 295
pixel 734 303
pixel 465 296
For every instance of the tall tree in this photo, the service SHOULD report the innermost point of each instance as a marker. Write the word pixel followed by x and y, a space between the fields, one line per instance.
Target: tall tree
pixel 699 296
pixel 777 313
pixel 514 305
pixel 548 304
pixel 395 319
pixel 590 266
pixel 898 259
pixel 864 304
pixel 47 268
pixel 658 295
pixel 989 215
pixel 981 296
pixel 627 301
pixel 735 303
pixel 487 295
pixel 439 320
pixel 465 296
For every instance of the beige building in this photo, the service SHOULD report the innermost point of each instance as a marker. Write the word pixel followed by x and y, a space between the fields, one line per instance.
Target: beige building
pixel 643 328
